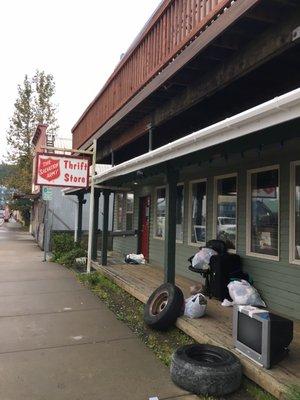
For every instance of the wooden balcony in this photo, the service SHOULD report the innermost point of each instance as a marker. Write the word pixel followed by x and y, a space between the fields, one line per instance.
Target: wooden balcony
pixel 173 27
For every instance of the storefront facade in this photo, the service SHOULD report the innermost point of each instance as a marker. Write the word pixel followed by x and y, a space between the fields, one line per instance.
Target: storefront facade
pixel 199 144
pixel 249 198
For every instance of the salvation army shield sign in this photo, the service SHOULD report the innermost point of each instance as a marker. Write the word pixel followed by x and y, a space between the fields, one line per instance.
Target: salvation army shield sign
pixel 62 170
pixel 49 169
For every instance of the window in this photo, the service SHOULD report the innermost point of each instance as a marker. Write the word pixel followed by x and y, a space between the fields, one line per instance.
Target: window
pixel 263 221
pixel 295 213
pixel 119 211
pixel 179 213
pixel 124 211
pixel 129 211
pixel 160 214
pixel 226 209
pixel 197 228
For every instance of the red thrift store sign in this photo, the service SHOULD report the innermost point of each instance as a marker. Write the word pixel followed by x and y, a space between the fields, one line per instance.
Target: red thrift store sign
pixel 61 170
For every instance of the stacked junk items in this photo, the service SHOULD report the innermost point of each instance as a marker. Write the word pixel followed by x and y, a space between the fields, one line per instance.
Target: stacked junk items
pixel 211 370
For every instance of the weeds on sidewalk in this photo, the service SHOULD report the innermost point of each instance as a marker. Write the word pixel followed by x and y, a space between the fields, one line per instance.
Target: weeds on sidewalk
pixel 130 311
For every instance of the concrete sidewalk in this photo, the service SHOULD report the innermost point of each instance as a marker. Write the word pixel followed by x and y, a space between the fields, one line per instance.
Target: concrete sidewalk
pixel 58 341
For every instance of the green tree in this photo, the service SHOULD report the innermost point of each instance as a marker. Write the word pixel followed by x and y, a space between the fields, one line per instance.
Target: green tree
pixel 22 124
pixel 44 109
pixel 34 105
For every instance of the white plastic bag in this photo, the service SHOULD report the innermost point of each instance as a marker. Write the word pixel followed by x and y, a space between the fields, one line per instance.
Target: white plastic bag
pixel 195 306
pixel 242 293
pixel 135 258
pixel 202 258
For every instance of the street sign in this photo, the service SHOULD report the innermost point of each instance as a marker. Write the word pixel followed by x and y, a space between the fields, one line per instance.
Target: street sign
pixel 62 170
pixel 47 193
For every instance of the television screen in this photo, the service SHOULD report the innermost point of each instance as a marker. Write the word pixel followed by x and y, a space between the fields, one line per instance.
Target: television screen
pixel 249 332
pixel 261 335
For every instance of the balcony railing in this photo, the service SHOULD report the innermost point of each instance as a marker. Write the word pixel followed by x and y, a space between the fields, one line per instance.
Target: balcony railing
pixel 173 26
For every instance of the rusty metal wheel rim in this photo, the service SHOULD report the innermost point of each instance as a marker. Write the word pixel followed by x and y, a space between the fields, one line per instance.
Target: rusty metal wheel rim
pixel 159 303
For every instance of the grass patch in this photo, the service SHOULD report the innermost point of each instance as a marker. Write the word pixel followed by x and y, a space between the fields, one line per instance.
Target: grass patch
pixel 130 311
pixel 293 393
pixel 255 391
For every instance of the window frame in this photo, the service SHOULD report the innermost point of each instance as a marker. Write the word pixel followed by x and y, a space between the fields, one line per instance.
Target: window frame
pixel 215 206
pixel 292 214
pixel 183 198
pixel 155 211
pixel 249 216
pixel 124 212
pixel 190 243
pixel 129 212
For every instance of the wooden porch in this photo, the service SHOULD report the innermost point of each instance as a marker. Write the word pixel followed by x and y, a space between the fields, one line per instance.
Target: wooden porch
pixel 214 328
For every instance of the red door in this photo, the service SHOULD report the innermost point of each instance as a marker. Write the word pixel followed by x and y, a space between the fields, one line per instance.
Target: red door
pixel 144 226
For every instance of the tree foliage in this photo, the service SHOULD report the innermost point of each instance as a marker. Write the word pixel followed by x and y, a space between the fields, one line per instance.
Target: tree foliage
pixel 6 170
pixel 44 109
pixel 33 105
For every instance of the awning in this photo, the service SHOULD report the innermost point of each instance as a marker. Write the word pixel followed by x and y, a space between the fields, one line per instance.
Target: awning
pixel 276 111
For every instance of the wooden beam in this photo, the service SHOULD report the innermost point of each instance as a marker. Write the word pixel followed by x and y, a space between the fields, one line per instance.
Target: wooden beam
pixel 114 188
pixel 80 198
pixel 128 135
pixel 170 224
pixel 95 223
pixel 262 16
pixel 229 42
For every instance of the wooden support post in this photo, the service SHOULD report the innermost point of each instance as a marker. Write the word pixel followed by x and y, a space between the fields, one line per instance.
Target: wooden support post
pixel 150 134
pixel 95 223
pixel 170 225
pixel 106 194
pixel 112 158
pixel 81 201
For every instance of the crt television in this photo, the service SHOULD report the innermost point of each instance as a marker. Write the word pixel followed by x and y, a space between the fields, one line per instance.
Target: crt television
pixel 261 335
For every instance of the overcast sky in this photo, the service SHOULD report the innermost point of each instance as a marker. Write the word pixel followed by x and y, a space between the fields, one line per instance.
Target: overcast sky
pixel 79 42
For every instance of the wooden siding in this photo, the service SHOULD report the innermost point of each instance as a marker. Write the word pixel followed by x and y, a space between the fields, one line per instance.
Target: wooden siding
pixel 278 281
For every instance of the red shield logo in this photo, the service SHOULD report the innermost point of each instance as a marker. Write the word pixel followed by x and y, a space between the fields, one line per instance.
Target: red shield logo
pixel 49 169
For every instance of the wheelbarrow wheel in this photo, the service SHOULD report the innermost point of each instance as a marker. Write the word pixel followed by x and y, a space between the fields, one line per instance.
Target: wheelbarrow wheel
pixel 163 307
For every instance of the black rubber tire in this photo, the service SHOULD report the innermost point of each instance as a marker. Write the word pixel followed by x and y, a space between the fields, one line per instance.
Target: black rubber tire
pixel 165 318
pixel 206 370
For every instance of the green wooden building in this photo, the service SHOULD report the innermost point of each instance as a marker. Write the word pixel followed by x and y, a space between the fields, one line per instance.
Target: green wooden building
pixel 200 122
